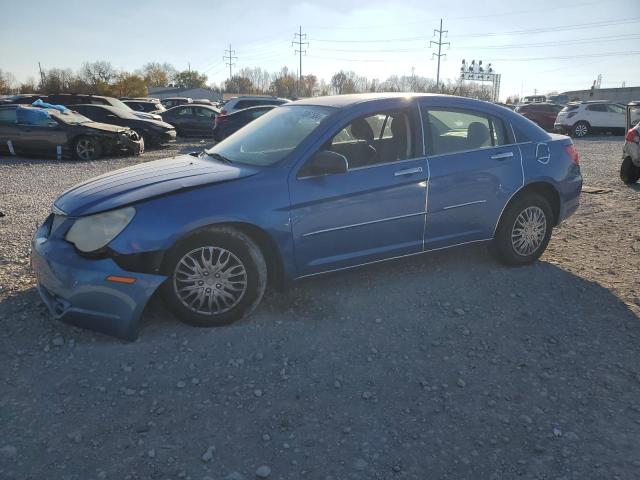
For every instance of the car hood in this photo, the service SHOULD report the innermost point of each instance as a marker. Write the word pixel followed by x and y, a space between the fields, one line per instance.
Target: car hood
pixel 105 127
pixel 140 182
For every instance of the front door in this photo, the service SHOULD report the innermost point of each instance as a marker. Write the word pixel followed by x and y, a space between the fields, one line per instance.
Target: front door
pixel 474 169
pixel 373 211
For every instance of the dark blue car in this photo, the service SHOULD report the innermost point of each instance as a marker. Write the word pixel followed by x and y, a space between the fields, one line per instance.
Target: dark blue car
pixel 313 186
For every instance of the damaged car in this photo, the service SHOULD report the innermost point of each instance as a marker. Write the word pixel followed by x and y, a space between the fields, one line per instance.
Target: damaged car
pixel 311 187
pixel 56 131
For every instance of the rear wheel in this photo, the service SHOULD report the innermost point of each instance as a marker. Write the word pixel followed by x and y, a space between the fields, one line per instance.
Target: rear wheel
pixel 524 230
pixel 629 173
pixel 580 129
pixel 87 148
pixel 215 278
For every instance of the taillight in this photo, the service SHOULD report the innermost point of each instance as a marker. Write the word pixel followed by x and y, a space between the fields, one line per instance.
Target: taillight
pixel 632 136
pixel 573 153
pixel 223 112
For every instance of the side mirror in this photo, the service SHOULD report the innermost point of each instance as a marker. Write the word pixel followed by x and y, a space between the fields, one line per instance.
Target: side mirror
pixel 326 162
pixel 194 154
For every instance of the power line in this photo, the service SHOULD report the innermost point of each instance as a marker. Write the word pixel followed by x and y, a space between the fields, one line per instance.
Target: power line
pixel 579 26
pixel 439 43
pixel 463 17
pixel 300 36
pixel 520 59
pixel 610 38
pixel 229 58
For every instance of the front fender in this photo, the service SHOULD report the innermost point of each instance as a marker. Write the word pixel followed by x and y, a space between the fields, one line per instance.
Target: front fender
pixel 161 222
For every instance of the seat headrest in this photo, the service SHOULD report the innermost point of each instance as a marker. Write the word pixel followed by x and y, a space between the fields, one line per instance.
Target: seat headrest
pixel 477 135
pixel 362 130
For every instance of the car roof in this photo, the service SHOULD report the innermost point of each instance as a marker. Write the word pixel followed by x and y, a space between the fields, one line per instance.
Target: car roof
pixel 257 107
pixel 340 101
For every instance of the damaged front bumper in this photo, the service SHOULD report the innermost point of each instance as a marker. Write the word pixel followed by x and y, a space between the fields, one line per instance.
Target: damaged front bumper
pixel 75 289
pixel 132 142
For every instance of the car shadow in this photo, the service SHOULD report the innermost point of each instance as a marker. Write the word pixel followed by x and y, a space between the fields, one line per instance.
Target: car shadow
pixel 437 290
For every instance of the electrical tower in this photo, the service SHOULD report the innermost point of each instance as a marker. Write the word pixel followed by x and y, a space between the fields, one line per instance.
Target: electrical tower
pixel 229 58
pixel 297 41
pixel 439 43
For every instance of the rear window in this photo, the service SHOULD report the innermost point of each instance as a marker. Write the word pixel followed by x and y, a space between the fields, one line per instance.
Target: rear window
pixel 569 108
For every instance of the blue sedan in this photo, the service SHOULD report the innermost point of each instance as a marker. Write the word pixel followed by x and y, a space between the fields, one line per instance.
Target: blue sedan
pixel 313 186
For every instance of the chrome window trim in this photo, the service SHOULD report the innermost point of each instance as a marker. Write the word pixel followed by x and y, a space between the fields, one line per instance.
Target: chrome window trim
pixel 392 258
pixel 365 167
pixel 487 149
pixel 476 202
pixel 343 227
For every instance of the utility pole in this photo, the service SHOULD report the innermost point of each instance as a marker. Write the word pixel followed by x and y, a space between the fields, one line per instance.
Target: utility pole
pixel 229 58
pixel 41 74
pixel 439 43
pixel 297 40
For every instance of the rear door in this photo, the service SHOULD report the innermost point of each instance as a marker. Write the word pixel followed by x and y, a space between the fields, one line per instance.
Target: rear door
pixel 474 168
pixel 204 119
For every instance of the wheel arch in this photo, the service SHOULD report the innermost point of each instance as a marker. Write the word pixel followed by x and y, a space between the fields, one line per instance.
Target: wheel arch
pixel 545 189
pixel 265 242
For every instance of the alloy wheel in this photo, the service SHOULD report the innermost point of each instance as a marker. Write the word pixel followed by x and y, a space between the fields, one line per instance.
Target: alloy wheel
pixel 581 130
pixel 210 280
pixel 528 231
pixel 85 149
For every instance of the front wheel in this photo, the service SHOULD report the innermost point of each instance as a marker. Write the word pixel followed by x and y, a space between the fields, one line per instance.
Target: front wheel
pixel 87 148
pixel 629 173
pixel 524 230
pixel 216 277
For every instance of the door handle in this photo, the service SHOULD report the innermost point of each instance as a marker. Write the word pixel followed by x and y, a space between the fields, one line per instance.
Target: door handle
pixel 502 156
pixel 408 171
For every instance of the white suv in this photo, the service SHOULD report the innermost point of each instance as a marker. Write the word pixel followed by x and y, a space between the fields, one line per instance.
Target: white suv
pixel 239 103
pixel 582 118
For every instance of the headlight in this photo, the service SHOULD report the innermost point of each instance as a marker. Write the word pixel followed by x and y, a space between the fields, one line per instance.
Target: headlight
pixel 92 233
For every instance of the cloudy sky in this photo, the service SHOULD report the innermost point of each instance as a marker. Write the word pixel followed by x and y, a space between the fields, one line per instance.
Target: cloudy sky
pixel 544 45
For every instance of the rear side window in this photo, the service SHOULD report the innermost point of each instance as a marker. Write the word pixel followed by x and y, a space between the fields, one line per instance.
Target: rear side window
pixel 8 115
pixel 246 104
pixel 451 131
pixel 598 107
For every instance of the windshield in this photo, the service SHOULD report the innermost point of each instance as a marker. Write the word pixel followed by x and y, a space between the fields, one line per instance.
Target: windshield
pixel 120 104
pixel 273 136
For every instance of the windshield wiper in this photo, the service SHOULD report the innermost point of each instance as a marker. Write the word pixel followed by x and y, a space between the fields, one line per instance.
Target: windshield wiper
pixel 222 158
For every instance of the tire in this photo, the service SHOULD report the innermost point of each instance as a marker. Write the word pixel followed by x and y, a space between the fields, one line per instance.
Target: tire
pixel 629 173
pixel 580 129
pixel 527 211
pixel 200 300
pixel 87 148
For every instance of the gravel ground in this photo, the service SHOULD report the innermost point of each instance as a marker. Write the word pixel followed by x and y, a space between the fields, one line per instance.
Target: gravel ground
pixel 446 366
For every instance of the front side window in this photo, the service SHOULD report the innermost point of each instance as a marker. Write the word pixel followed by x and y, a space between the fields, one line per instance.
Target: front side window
pixel 204 112
pixel 271 137
pixel 374 139
pixel 451 131
pixel 184 112
pixel 615 108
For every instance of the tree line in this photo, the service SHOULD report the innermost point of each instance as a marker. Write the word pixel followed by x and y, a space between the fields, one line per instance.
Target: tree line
pixel 101 78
